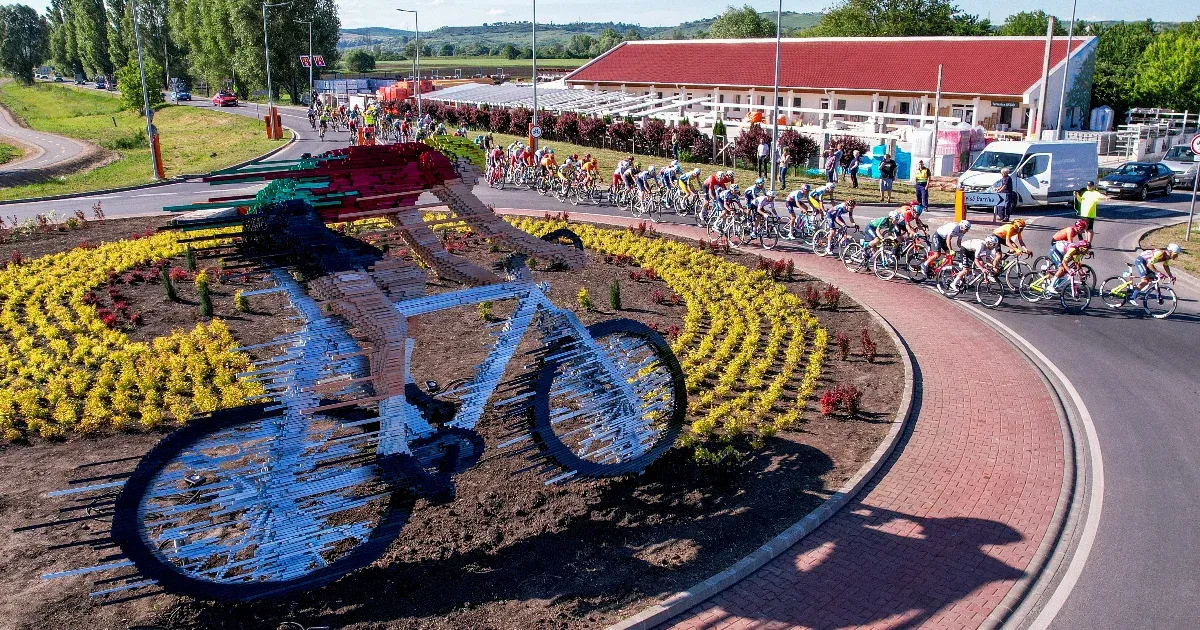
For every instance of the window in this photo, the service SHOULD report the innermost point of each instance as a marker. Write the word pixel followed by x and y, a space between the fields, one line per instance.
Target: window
pixel 796 101
pixel 779 101
pixel 720 98
pixel 878 106
pixel 659 95
pixel 841 104
pixel 824 103
pixel 737 99
pixel 905 108
pixel 1163 170
pixel 762 100
pixel 1036 165
pixel 1006 115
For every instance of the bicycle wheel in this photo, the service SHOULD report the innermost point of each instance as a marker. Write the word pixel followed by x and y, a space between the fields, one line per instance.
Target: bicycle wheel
pixel 1033 285
pixel 883 263
pixel 768 236
pixel 853 257
pixel 945 277
pixel 1013 273
pixel 1041 263
pixel 247 503
pixel 1075 295
pixel 594 427
pixel 989 291
pixel 1159 301
pixel 820 243
pixel 737 232
pixel 1115 292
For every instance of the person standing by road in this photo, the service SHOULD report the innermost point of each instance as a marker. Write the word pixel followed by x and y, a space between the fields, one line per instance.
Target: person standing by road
pixel 1088 202
pixel 1004 187
pixel 887 177
pixel 852 168
pixel 784 159
pixel 921 179
pixel 832 157
pixel 764 157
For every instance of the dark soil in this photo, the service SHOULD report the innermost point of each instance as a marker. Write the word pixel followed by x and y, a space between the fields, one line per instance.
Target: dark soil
pixel 509 551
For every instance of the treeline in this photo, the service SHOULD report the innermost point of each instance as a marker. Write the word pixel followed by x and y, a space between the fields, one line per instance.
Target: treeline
pixel 218 41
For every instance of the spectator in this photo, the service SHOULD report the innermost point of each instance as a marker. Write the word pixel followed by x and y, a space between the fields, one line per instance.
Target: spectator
pixel 922 181
pixel 887 177
pixel 852 168
pixel 784 159
pixel 764 157
pixel 1004 186
pixel 832 158
pixel 1088 202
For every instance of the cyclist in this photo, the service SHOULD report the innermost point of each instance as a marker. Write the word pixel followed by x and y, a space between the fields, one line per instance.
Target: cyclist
pixel 714 184
pixel 876 227
pixel 1144 263
pixel 762 204
pixel 729 201
pixel 549 163
pixel 795 200
pixel 591 170
pixel 815 197
pixel 566 173
pixel 1069 254
pixel 982 253
pixel 910 218
pixel 946 238
pixel 1069 234
pixel 619 172
pixel 688 182
pixel 754 191
pixel 644 180
pixel 1010 234
pixel 324 123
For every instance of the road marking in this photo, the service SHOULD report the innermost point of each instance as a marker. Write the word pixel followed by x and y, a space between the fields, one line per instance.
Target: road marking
pixel 1096 502
pixel 166 194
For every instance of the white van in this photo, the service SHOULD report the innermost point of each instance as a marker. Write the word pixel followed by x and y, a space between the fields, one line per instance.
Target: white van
pixel 1042 172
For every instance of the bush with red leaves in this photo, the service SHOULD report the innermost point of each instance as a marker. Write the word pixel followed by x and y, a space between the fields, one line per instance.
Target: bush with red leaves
pixel 868 346
pixel 832 296
pixel 842 396
pixel 176 274
pixel 812 297
pixel 843 344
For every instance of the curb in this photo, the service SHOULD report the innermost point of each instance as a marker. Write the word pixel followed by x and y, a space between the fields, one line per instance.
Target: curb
pixel 684 600
pixel 163 182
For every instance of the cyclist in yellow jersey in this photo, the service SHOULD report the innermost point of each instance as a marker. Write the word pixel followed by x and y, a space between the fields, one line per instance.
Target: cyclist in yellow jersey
pixel 1010 234
pixel 1144 265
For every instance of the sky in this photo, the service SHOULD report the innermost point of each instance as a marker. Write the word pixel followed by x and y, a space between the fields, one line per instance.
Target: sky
pixel 435 13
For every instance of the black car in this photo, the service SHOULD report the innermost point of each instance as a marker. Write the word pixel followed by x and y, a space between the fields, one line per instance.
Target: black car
pixel 1137 179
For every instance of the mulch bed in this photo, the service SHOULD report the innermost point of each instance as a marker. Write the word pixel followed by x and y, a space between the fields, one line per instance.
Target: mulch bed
pixel 509 551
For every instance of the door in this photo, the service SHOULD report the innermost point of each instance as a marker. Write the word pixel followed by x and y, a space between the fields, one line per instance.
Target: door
pixel 1032 179
pixel 1164 176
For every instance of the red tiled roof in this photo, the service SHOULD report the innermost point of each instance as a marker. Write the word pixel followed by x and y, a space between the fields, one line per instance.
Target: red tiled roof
pixel 971 65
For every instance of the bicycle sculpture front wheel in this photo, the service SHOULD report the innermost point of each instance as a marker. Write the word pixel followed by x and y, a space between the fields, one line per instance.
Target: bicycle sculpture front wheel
pixel 609 408
pixel 250 503
pixel 1159 301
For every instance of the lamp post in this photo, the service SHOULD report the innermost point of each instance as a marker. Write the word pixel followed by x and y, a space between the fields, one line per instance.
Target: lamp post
pixel 535 109
pixel 310 55
pixel 416 58
pixel 775 115
pixel 1062 95
pixel 267 55
pixel 137 38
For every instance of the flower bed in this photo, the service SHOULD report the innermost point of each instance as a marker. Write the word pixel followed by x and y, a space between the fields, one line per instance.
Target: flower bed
pixel 66 367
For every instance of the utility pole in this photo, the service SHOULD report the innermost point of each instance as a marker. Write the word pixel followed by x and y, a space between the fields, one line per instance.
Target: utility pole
pixel 775 116
pixel 534 141
pixel 267 55
pixel 150 132
pixel 1062 95
pixel 937 112
pixel 416 59
pixel 1035 124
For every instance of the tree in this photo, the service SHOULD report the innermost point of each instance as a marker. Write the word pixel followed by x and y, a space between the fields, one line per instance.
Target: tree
pixel 129 82
pixel 91 33
pixel 508 51
pixel 24 41
pixel 1029 23
pixel 741 23
pixel 580 46
pixel 359 60
pixel 447 50
pixel 1169 73
pixel 1118 52
pixel 63 49
pixel 898 18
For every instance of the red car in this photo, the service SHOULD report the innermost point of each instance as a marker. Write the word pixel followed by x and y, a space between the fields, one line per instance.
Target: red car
pixel 225 99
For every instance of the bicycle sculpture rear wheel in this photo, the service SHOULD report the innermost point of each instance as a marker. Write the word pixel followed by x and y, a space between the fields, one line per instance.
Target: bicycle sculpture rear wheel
pixel 594 427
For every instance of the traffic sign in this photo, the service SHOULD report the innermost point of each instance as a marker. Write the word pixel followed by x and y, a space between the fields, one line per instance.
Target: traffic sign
pixel 319 61
pixel 536 132
pixel 981 198
pixel 1196 144
pixel 304 61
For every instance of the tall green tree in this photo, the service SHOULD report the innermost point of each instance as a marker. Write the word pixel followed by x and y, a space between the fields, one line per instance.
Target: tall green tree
pixel 898 18
pixel 359 60
pixel 1029 24
pixel 1119 51
pixel 129 82
pixel 91 33
pixel 1169 72
pixel 741 23
pixel 24 41
pixel 120 32
pixel 64 50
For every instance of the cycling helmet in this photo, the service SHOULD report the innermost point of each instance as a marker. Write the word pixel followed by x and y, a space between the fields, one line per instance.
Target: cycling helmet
pixel 587 155
pixel 674 163
pixel 694 172
pixel 770 193
pixel 759 181
pixel 652 170
pixel 1019 223
pixel 919 209
pixel 550 151
pixel 850 203
pixel 895 215
pixel 1081 225
pixel 964 225
pixel 574 156
pixel 630 158
pixel 734 187
pixel 992 241
pixel 1174 248
pixel 829 186
pixel 805 188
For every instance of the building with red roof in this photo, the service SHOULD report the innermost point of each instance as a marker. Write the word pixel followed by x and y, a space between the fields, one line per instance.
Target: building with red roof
pixel 991 81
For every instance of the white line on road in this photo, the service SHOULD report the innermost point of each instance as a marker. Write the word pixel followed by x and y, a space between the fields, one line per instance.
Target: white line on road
pixel 166 194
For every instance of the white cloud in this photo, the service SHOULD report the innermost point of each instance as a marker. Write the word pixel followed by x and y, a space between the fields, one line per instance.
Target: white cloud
pixel 502 12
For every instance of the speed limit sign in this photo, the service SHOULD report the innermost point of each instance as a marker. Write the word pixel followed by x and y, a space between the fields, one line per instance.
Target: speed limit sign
pixel 536 132
pixel 1196 143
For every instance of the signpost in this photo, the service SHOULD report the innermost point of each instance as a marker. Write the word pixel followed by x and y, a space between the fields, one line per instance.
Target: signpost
pixel 1187 236
pixel 536 132
pixel 975 199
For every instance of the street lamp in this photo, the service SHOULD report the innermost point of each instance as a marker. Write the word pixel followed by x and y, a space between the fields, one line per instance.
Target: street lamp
pixel 267 55
pixel 416 58
pixel 310 55
pixel 145 96
pixel 1062 95
pixel 775 116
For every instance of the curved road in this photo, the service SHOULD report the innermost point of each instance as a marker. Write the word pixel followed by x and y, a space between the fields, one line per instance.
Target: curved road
pixel 49 149
pixel 1137 376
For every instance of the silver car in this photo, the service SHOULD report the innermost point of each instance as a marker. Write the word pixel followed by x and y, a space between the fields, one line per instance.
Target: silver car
pixel 1182 161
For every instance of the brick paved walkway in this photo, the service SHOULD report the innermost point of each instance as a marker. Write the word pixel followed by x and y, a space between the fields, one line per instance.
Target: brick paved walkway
pixel 953 519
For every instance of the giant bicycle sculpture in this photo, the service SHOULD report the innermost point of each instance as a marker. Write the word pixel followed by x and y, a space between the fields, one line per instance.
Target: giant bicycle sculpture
pixel 315 478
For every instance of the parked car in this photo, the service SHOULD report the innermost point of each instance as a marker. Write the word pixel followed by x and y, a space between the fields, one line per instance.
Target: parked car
pixel 1138 180
pixel 1042 172
pixel 224 99
pixel 58 78
pixel 1182 161
pixel 101 84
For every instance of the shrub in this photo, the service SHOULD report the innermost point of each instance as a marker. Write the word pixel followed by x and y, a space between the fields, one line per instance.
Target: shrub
pixel 849 145
pixel 620 133
pixel 190 258
pixel 241 302
pixel 614 295
pixel 519 121
pixel 812 296
pixel 129 82
pixel 499 119
pixel 585 300
pixel 831 296
pixel 745 147
pixel 799 147
pixel 843 343
pixel 485 311
pixel 168 284
pixel 868 346
pixel 591 130
pixel 202 291
pixel 843 396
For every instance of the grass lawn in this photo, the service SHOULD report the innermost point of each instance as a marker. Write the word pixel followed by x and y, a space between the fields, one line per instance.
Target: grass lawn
pixel 868 190
pixel 193 140
pixel 1189 258
pixel 9 153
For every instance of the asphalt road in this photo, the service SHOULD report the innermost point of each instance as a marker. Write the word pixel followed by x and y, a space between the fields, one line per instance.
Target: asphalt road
pixel 51 149
pixel 1138 377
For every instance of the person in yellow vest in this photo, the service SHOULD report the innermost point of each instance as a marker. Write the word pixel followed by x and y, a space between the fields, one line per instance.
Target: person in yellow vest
pixel 1087 201
pixel 921 178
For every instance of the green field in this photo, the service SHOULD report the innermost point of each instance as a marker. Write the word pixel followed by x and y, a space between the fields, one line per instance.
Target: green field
pixel 193 140
pixel 1188 259
pixel 9 153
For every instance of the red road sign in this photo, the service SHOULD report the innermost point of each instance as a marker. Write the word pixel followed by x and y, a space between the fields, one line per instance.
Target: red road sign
pixel 319 61
pixel 1196 143
pixel 304 61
